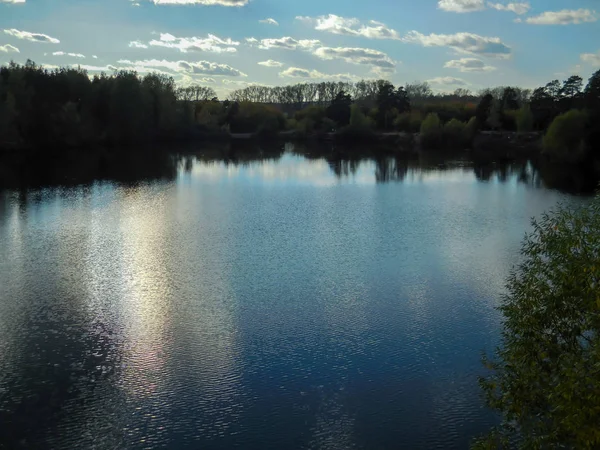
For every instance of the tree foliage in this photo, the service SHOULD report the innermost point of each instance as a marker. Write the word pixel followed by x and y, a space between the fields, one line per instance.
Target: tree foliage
pixel 483 109
pixel 544 377
pixel 456 134
pixel 431 131
pixel 524 119
pixel 360 126
pixel 390 103
pixel 67 106
pixel 339 110
pixel 565 139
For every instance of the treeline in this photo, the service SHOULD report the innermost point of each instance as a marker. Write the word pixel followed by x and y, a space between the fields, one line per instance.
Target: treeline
pixel 68 107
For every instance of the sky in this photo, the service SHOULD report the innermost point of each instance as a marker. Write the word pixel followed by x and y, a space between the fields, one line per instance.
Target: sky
pixel 230 44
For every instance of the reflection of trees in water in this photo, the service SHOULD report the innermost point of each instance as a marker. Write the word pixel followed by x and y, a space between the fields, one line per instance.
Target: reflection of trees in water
pixel 396 169
pixel 581 179
pixel 390 169
pixel 343 167
pixel 241 153
pixel 565 178
pixel 522 171
pixel 484 172
pixel 84 168
pixel 125 166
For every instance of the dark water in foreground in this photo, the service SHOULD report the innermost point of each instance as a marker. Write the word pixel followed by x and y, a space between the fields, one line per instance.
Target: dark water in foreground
pixel 274 304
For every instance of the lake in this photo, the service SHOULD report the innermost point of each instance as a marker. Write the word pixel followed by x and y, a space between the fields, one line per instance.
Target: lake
pixel 279 301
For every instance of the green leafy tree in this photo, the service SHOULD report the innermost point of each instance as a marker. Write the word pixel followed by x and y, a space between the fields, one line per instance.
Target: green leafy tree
pixel 553 90
pixel 456 134
pixel 544 378
pixel 592 90
pixel 129 115
pixel 510 99
pixel 592 104
pixel 571 87
pixel 495 115
pixel 524 119
pixel 358 120
pixel 543 108
pixel 565 138
pixel 339 110
pixel 8 114
pixel 431 131
pixel 360 126
pixel 484 107
pixel 390 103
pixel 161 99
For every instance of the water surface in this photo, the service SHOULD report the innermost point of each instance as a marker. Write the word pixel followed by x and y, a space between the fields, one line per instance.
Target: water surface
pixel 276 303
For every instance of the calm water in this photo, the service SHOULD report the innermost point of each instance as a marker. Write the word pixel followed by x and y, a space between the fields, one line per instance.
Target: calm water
pixel 288 303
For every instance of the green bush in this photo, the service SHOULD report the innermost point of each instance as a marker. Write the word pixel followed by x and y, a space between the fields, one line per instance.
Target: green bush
pixel 494 120
pixel 209 114
pixel 524 119
pixel 402 122
pixel 328 125
pixel 472 127
pixel 545 376
pixel 447 111
pixel 409 122
pixel 565 138
pixel 257 118
pixel 358 120
pixel 311 119
pixel 455 134
pixel 360 126
pixel 508 119
pixel 431 133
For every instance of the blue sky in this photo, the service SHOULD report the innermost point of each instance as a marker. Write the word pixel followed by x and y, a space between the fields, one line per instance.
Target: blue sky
pixel 228 44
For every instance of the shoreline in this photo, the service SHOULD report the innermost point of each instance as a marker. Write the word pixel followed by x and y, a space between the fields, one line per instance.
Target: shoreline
pixel 484 141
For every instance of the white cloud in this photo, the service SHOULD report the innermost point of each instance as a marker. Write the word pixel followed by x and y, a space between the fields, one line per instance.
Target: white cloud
pixel 466 6
pixel 461 6
pixel 8 49
pixel 591 58
pixel 211 43
pixel 462 42
pixel 94 56
pixel 198 2
pixel 111 68
pixel 351 27
pixel 286 43
pixel 270 63
pixel 270 21
pixel 564 17
pixel 227 81
pixel 74 55
pixel 196 68
pixel 33 37
pixel 364 56
pixel 448 81
pixel 187 80
pixel 12 1
pixel 517 8
pixel 468 65
pixel 108 68
pixel 137 44
pixel 296 72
